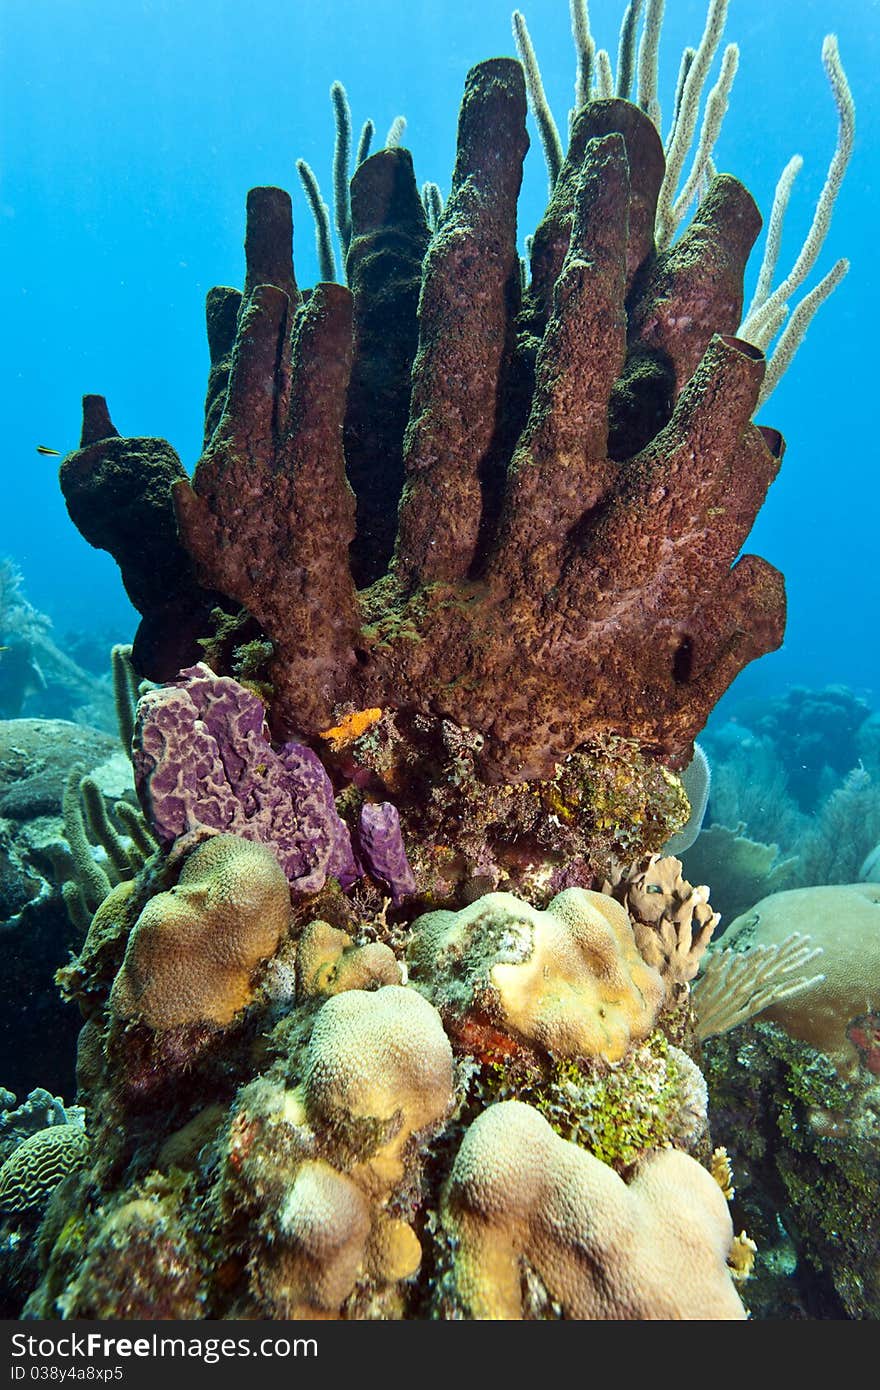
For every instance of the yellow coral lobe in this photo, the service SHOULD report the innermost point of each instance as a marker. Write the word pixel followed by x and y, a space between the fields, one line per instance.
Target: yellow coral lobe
pixel 741 1259
pixel 722 1172
pixel 351 727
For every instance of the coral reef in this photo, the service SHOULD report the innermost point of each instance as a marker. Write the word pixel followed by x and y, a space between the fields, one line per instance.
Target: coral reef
pixel 814 733
pixel 794 805
pixel 36 930
pixel 656 1249
pixel 362 1038
pixel 839 1015
pixel 299 1152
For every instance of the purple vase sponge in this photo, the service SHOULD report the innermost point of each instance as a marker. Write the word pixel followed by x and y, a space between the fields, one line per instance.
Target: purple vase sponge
pixel 202 758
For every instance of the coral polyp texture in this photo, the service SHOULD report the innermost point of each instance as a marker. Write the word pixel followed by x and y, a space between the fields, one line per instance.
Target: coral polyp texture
pixel 656 1249
pixel 427 635
pixel 569 981
pixel 194 949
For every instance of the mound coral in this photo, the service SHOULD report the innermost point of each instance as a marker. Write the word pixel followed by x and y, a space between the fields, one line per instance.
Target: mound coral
pixel 194 949
pixel 518 1194
pixel 569 981
pixel 328 961
pixel 379 1062
pixel 840 1014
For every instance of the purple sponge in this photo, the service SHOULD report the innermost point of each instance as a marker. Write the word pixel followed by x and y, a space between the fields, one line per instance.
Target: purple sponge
pixel 381 851
pixel 202 756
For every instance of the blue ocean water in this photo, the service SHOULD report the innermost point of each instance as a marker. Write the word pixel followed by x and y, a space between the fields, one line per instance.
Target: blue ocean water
pixel 130 135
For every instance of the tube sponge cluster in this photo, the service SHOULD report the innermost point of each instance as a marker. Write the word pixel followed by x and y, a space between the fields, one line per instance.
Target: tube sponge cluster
pixel 589 436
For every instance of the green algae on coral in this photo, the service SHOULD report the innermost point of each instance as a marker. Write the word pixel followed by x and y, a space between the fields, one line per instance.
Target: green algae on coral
pixel 806 1144
pixel 649 1100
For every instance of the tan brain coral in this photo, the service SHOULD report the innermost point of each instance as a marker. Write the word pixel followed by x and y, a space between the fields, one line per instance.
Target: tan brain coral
pixel 194 950
pixel 329 1235
pixel 379 1070
pixel 519 1195
pixel 569 980
pixel 840 1014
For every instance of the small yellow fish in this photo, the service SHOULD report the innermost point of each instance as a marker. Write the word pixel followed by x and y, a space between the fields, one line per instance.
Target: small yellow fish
pixel 50 453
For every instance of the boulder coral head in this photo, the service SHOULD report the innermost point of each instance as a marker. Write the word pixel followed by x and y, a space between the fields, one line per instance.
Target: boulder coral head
pixel 569 981
pixel 579 466
pixel 194 949
pixel 656 1249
